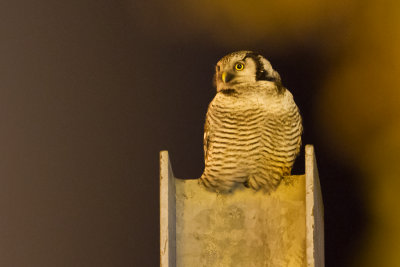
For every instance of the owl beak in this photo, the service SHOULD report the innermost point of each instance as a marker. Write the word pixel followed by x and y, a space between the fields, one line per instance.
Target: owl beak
pixel 226 77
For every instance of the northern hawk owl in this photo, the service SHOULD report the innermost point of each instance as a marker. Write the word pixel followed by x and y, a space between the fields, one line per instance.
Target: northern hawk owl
pixel 253 127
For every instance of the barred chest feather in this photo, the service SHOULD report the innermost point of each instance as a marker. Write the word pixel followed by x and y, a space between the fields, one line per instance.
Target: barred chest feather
pixel 252 140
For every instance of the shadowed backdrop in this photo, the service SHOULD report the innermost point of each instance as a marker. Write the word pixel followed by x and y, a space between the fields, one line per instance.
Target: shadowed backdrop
pixel 91 91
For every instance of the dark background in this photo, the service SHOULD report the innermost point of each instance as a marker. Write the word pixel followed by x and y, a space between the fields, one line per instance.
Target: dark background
pixel 91 91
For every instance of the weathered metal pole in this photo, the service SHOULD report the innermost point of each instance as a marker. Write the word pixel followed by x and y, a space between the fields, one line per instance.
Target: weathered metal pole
pixel 244 228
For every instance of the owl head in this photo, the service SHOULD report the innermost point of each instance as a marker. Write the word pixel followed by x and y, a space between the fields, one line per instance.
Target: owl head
pixel 243 69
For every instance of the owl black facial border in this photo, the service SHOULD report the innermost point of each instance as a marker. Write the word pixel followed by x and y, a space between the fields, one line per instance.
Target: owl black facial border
pixel 261 73
pixel 228 91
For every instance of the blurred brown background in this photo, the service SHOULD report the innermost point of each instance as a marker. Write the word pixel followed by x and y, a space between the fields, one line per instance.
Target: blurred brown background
pixel 91 91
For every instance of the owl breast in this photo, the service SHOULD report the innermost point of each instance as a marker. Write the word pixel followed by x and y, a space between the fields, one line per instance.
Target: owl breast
pixel 252 140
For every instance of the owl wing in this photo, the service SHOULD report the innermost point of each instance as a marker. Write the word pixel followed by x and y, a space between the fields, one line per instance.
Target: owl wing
pixel 281 140
pixel 206 140
pixel 288 138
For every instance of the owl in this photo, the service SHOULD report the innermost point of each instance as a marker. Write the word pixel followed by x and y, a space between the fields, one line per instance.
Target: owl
pixel 253 127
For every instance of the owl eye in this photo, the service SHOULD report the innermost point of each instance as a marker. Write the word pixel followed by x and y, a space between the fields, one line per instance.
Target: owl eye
pixel 239 66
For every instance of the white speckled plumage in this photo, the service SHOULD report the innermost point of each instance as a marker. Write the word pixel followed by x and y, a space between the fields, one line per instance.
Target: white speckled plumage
pixel 253 127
